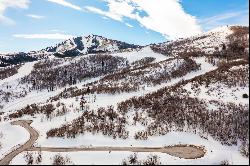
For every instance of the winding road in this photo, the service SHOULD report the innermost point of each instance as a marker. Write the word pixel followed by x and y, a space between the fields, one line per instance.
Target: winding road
pixel 33 137
pixel 181 151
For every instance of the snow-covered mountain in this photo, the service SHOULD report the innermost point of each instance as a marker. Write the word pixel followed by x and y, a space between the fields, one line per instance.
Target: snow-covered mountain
pixel 189 96
pixel 88 45
pixel 91 44
pixel 215 40
pixel 208 42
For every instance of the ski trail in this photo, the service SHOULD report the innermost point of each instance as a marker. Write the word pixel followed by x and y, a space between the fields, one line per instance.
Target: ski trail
pixel 39 96
pixel 22 71
pixel 104 100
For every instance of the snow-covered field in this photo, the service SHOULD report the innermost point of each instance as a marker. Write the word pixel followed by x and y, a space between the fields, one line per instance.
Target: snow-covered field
pixel 13 136
pixel 137 55
pixel 116 158
pixel 102 100
pixel 228 95
pixel 36 96
pixel 215 152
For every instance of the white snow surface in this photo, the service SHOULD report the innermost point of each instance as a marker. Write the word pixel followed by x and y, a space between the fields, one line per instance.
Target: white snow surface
pixel 104 100
pixel 143 53
pixel 215 152
pixel 206 42
pixel 38 97
pixel 22 71
pixel 116 158
pixel 221 93
pixel 87 42
pixel 12 136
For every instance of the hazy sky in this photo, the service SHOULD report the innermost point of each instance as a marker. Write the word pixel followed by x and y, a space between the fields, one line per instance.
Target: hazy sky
pixel 27 25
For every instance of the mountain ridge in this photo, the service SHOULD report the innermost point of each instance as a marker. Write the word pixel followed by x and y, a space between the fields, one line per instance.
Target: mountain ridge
pixel 208 42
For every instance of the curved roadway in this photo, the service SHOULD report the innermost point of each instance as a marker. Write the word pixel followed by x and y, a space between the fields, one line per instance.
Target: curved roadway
pixel 33 137
pixel 181 151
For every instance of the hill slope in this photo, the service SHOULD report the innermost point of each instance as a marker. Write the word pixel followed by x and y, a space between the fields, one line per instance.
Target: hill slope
pixel 214 41
pixel 192 91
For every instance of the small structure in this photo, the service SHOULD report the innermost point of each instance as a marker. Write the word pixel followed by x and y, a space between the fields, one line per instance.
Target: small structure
pixel 245 96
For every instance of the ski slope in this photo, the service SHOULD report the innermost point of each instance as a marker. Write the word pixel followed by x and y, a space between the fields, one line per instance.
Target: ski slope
pixel 216 151
pixel 143 53
pixel 22 71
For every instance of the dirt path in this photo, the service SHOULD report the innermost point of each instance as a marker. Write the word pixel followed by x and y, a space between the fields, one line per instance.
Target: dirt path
pixel 33 137
pixel 181 151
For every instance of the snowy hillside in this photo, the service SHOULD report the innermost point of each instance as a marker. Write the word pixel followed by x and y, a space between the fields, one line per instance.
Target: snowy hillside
pixel 209 42
pixel 181 102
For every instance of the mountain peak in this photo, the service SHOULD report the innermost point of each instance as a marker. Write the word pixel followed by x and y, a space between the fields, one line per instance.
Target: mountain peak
pixel 87 45
pixel 220 29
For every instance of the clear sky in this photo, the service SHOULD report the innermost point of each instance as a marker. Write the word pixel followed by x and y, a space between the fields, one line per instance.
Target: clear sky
pixel 27 25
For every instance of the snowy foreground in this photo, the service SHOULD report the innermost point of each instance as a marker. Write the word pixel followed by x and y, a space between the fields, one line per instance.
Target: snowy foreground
pixel 13 136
